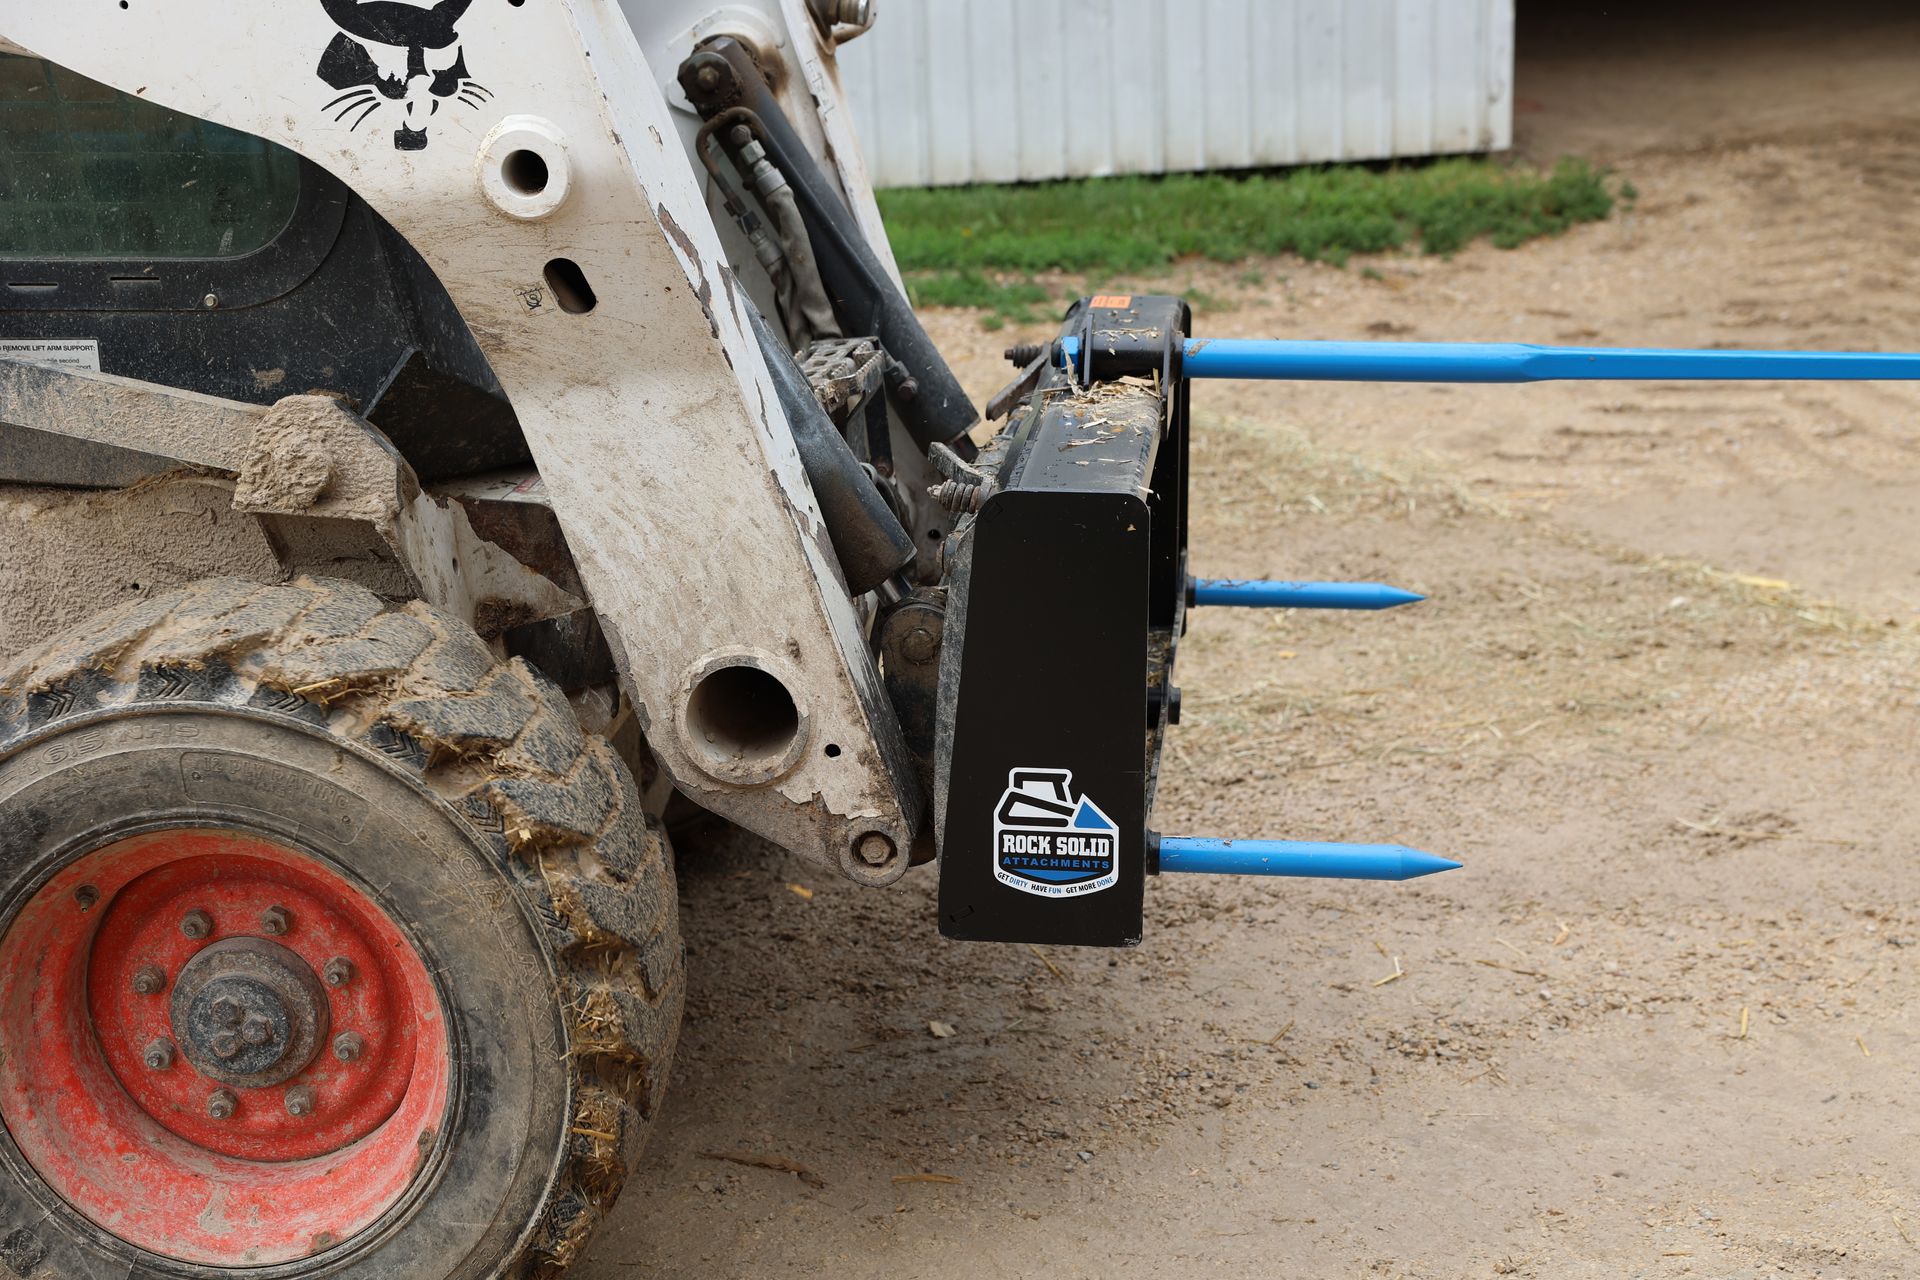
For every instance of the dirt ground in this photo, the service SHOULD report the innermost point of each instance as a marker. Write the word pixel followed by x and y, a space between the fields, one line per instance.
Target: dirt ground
pixel 1661 701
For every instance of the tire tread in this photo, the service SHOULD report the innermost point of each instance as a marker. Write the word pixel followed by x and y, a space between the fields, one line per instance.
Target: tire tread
pixel 495 741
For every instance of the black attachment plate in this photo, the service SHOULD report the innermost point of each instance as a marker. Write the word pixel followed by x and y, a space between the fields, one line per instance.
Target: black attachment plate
pixel 1071 573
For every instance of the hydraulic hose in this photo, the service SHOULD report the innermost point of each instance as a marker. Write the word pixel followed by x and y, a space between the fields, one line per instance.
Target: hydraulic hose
pixel 929 399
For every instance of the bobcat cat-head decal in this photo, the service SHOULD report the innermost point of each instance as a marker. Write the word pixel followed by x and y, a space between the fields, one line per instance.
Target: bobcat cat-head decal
pixel 399 52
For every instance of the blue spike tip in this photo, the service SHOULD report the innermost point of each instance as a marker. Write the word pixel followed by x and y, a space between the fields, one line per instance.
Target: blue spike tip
pixel 1252 593
pixel 1209 856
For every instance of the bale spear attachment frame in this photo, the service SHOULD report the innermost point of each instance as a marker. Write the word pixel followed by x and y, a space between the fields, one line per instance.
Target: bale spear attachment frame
pixel 1068 592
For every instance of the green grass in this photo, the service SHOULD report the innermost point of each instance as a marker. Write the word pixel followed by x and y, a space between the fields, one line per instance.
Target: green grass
pixel 979 246
pixel 1005 299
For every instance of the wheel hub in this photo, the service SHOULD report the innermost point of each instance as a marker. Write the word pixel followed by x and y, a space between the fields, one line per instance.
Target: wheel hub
pixel 219 1048
pixel 249 1012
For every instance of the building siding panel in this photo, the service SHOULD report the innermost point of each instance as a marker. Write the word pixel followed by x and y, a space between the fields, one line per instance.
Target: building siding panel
pixel 955 91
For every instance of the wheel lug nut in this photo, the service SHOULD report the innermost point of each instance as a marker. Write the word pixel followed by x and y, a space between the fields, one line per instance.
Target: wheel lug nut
pixel 149 980
pixel 257 1031
pixel 221 1104
pixel 348 1045
pixel 159 1054
pixel 196 924
pixel 226 1045
pixel 339 972
pixel 275 921
pixel 300 1101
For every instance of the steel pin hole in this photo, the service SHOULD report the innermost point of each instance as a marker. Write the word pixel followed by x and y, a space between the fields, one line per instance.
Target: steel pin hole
pixel 739 721
pixel 524 168
pixel 525 172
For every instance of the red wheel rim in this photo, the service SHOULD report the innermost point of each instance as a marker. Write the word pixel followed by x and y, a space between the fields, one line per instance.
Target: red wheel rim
pixel 109 1085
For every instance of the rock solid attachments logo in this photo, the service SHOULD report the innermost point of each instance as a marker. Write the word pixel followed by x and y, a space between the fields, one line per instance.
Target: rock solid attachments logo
pixel 1050 843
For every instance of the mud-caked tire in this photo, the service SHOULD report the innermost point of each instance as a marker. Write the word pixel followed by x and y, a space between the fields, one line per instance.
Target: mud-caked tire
pixel 329 946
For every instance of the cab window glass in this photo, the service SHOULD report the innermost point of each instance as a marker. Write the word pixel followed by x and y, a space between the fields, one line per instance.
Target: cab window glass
pixel 89 172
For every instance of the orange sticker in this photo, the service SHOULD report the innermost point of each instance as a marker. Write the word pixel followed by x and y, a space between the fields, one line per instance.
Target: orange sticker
pixel 1118 301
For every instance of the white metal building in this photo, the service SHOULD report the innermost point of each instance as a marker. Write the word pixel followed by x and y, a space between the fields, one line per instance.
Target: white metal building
pixel 951 91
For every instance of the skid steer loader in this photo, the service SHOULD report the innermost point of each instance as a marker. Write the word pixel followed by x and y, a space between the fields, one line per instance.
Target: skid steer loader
pixel 445 444
pixel 442 444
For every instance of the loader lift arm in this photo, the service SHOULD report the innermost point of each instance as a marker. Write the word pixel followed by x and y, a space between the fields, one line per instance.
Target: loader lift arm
pixel 600 294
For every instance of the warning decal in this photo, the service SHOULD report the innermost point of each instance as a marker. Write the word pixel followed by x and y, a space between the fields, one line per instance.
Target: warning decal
pixel 1049 842
pixel 62 353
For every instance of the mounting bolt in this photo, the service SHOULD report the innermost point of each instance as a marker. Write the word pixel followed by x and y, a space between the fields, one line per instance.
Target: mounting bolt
pixel 227 1012
pixel 149 980
pixel 226 1045
pixel 159 1054
pixel 348 1046
pixel 300 1101
pixel 256 1031
pixel 196 924
pixel 874 849
pixel 708 77
pixel 211 301
pixel 275 921
pixel 85 896
pixel 221 1104
pixel 339 972
pixel 920 646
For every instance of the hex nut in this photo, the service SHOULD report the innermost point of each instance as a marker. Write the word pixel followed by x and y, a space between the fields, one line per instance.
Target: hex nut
pixel 149 980
pixel 338 973
pixel 275 921
pixel 300 1101
pixel 196 924
pixel 221 1104
pixel 159 1055
pixel 874 849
